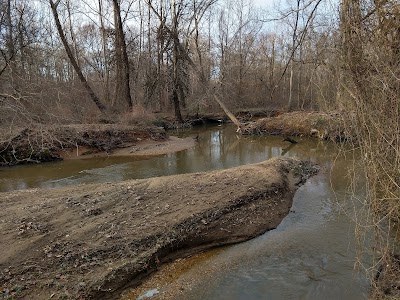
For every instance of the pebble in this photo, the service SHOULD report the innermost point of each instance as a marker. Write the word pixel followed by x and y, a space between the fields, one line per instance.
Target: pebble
pixel 148 294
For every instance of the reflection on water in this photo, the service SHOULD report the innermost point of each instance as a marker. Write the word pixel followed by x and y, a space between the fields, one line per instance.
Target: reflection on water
pixel 218 148
pixel 309 256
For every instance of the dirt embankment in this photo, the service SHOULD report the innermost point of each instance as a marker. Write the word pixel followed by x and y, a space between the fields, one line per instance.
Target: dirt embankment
pixel 40 144
pixel 325 126
pixel 93 241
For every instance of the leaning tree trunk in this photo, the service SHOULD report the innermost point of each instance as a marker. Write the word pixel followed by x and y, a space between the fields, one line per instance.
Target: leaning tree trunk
pixel 72 59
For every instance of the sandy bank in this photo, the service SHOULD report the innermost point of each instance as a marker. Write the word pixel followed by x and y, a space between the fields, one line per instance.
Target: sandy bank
pixel 147 147
pixel 48 143
pixel 325 126
pixel 93 241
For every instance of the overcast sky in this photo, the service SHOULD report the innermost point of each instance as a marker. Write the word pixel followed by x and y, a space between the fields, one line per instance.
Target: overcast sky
pixel 263 3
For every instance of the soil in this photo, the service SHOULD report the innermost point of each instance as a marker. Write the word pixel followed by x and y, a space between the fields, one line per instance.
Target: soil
pixel 48 143
pixel 94 241
pixel 324 126
pixel 147 147
pixel 173 280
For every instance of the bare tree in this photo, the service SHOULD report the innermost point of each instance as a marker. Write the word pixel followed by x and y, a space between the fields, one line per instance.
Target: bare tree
pixel 297 40
pixel 10 60
pixel 72 59
pixel 177 60
pixel 294 38
pixel 180 55
pixel 122 88
pixel 105 71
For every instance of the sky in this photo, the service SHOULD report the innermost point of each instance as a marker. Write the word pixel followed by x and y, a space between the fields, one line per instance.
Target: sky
pixel 263 3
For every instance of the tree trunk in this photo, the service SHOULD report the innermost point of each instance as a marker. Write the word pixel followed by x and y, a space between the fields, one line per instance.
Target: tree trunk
pixel 106 75
pixel 176 87
pixel 12 53
pixel 74 63
pixel 352 44
pixel 229 114
pixel 72 34
pixel 294 38
pixel 289 106
pixel 123 75
pixel 179 48
pixel 160 60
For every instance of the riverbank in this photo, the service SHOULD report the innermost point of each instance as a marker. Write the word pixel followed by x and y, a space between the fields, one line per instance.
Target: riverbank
pixel 50 143
pixel 324 126
pixel 147 147
pixel 92 241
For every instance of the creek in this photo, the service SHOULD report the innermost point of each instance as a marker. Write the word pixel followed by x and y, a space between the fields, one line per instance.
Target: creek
pixel 310 255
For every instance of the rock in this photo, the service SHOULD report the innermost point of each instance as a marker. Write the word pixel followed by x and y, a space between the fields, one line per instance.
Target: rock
pixel 148 294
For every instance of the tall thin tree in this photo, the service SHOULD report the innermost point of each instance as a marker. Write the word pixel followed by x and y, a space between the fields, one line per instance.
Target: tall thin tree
pixel 72 59
pixel 122 88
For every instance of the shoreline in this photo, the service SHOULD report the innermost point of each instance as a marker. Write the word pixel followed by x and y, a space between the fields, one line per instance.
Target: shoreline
pixel 44 143
pixel 94 241
pixel 149 148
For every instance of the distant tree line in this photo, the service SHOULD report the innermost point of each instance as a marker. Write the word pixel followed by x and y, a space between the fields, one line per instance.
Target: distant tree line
pixel 70 58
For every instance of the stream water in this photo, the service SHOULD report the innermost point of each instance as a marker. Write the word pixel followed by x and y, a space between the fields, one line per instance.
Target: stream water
pixel 309 256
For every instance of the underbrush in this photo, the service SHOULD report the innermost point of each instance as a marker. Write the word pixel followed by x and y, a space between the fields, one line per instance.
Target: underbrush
pixel 139 115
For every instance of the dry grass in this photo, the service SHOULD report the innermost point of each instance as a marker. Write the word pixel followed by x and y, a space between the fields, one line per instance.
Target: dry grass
pixel 137 116
pixel 325 126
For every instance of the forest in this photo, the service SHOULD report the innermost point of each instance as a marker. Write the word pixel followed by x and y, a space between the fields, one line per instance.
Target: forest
pixel 135 62
pixel 68 61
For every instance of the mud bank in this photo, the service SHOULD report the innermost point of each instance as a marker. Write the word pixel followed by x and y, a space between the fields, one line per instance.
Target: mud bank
pixel 94 241
pixel 146 147
pixel 41 144
pixel 324 126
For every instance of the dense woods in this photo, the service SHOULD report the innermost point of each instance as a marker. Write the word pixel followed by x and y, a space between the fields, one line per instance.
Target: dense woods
pixel 70 61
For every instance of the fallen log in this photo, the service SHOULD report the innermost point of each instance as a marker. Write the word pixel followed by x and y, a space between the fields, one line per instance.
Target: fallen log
pixel 229 114
pixel 93 241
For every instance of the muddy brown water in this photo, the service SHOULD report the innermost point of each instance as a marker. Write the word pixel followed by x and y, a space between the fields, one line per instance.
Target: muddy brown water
pixel 309 256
